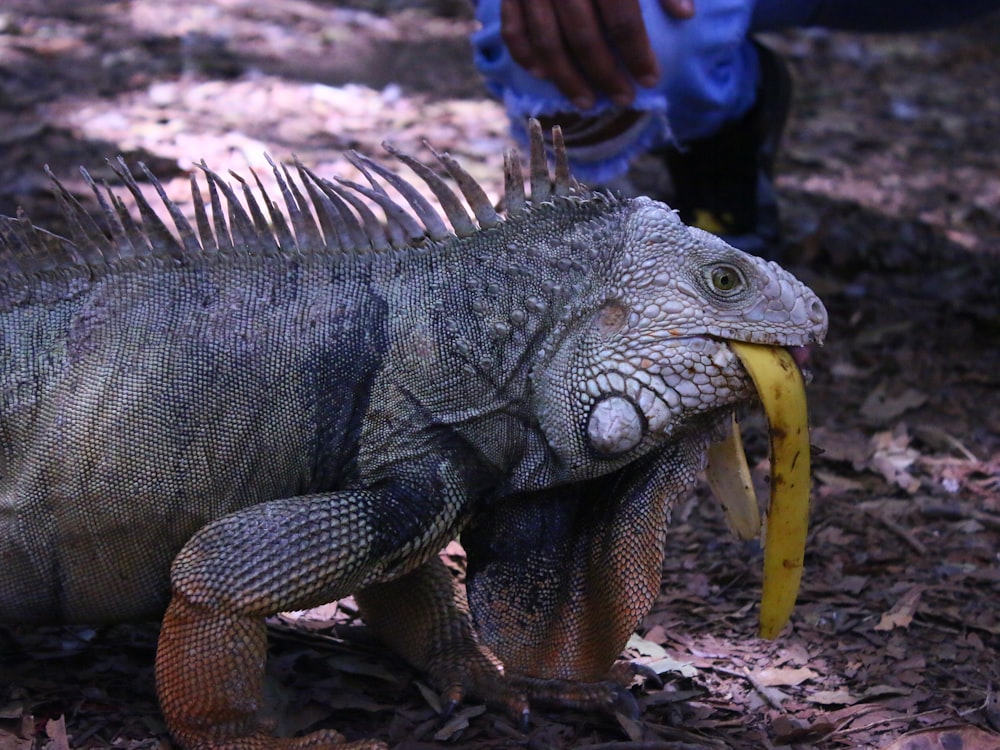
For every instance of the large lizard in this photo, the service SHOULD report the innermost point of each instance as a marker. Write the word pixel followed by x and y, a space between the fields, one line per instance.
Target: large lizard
pixel 275 407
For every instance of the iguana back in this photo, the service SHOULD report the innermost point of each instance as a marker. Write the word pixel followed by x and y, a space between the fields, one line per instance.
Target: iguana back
pixel 163 397
pixel 151 385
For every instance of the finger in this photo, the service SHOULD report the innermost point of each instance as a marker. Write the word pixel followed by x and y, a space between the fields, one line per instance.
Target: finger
pixel 592 51
pixel 679 9
pixel 549 36
pixel 622 20
pixel 514 32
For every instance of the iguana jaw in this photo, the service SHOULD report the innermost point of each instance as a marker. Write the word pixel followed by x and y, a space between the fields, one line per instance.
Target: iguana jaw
pixel 781 390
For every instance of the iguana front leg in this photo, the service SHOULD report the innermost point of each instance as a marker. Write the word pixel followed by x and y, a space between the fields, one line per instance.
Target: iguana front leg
pixel 558 580
pixel 423 616
pixel 282 555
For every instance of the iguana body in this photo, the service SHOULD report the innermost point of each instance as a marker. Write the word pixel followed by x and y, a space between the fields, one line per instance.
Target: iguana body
pixel 269 414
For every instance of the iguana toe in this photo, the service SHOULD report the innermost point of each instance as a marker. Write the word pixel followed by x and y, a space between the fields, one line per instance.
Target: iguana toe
pixel 606 696
pixel 524 719
pixel 625 672
pixel 625 703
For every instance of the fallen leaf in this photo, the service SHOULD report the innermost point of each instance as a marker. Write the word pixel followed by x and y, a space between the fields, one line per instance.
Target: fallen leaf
pixel 654 656
pixel 853 584
pixel 881 691
pixel 668 664
pixel 458 723
pixel 891 456
pixel 56 730
pixel 431 696
pixel 787 731
pixel 992 708
pixel 947 738
pixel 838 483
pixel 630 726
pixel 784 676
pixel 11 742
pixel 832 698
pixel 880 408
pixel 841 445
pixel 900 615
pixel 645 647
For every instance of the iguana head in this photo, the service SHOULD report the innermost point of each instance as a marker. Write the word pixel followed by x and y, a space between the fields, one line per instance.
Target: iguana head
pixel 683 330
pixel 652 356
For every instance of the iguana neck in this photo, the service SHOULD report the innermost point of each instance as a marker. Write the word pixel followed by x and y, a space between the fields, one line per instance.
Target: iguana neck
pixel 472 318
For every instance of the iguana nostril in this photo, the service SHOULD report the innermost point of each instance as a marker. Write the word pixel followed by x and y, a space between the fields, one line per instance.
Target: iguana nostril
pixel 817 312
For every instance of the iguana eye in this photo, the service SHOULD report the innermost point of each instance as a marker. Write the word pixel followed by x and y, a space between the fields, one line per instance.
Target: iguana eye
pixel 726 279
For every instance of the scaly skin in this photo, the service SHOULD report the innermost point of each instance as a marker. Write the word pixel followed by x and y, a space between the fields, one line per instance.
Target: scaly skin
pixel 277 409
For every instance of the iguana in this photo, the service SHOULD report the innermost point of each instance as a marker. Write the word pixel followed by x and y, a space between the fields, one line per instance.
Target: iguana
pixel 277 406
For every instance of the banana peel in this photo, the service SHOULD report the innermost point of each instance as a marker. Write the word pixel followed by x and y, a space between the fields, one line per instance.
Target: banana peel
pixel 780 387
pixel 729 479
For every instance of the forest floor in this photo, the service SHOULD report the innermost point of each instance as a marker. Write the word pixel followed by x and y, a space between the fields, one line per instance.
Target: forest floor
pixel 890 189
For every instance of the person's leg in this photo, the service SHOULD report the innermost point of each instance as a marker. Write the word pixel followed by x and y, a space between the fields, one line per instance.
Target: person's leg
pixel 724 182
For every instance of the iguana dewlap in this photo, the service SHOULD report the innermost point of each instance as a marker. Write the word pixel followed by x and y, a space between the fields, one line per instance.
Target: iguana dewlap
pixel 275 407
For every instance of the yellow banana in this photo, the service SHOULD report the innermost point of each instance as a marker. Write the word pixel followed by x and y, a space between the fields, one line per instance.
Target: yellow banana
pixel 782 394
pixel 729 478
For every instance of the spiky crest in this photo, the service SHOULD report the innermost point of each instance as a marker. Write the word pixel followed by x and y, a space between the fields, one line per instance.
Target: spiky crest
pixel 313 214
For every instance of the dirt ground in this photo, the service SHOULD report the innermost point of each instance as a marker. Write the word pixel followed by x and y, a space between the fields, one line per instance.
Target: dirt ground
pixel 890 187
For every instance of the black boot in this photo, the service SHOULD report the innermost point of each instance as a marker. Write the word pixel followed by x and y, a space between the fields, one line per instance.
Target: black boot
pixel 725 183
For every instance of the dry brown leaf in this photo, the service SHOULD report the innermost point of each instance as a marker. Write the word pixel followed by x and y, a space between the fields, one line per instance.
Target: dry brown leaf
pixel 56 730
pixel 458 723
pixel 841 445
pixel 783 676
pixel 881 691
pixel 787 731
pixel 991 708
pixel 832 698
pixel 947 738
pixel 891 456
pixel 837 483
pixel 20 741
pixel 880 408
pixel 900 615
pixel 631 727
pixel 656 634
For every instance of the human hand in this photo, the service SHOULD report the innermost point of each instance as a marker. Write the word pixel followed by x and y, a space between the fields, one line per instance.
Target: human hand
pixel 585 47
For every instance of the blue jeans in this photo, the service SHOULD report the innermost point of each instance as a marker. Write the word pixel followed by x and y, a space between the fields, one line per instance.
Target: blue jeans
pixel 709 67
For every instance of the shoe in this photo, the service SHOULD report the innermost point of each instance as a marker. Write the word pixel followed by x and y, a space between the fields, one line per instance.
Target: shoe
pixel 724 183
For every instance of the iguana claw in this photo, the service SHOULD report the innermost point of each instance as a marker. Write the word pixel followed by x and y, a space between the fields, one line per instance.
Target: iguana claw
pixel 448 706
pixel 524 720
pixel 648 675
pixel 626 704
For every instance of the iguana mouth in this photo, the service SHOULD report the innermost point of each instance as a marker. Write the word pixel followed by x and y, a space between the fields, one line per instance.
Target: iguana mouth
pixel 802 356
pixel 777 376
